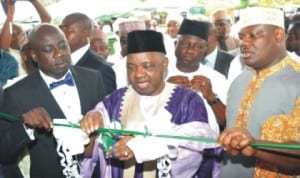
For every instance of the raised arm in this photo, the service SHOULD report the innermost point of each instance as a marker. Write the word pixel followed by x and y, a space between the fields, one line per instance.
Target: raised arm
pixel 7 29
pixel 42 11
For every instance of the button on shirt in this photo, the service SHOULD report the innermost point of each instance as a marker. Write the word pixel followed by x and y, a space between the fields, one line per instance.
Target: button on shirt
pixel 67 98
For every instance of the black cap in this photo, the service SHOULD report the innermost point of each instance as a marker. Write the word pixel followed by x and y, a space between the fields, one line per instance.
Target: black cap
pixel 145 41
pixel 196 28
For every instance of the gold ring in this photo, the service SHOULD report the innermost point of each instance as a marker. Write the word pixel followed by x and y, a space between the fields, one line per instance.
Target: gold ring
pixel 125 153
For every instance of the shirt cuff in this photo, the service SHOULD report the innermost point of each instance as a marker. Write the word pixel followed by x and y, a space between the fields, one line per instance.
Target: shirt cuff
pixel 30 132
pixel 147 148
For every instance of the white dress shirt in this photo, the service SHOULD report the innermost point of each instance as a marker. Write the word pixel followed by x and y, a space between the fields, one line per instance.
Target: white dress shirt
pixel 210 59
pixel 67 98
pixel 219 86
pixel 77 55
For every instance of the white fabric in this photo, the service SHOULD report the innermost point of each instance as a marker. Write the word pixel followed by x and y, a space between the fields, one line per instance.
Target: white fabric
pixel 120 69
pixel 147 148
pixel 294 56
pixel 30 132
pixel 236 67
pixel 24 159
pixel 65 135
pixel 69 165
pixel 210 59
pixel 219 86
pixel 131 24
pixel 67 98
pixel 66 146
pixel 186 156
pixel 12 81
pixel 158 147
pixel 115 58
pixel 170 48
pixel 77 55
pixel 159 123
pixel 261 15
pixel 152 146
pixel 174 17
pixel 164 167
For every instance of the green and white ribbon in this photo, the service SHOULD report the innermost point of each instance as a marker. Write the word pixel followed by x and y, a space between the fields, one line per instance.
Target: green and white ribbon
pixel 146 134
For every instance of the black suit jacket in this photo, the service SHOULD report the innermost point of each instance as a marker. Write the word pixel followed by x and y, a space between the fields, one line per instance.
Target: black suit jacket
pixel 93 61
pixel 33 92
pixel 223 62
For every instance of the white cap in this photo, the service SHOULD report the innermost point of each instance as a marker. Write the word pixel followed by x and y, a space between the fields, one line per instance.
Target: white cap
pixel 220 14
pixel 131 24
pixel 198 17
pixel 174 17
pixel 261 15
pixel 117 22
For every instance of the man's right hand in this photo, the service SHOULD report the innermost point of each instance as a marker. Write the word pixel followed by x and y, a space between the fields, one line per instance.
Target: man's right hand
pixel 37 118
pixel 91 122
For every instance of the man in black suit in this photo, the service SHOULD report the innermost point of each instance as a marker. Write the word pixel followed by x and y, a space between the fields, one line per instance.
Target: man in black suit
pixel 216 58
pixel 77 28
pixel 39 98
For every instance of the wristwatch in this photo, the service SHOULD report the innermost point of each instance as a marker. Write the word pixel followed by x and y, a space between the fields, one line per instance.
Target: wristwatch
pixel 214 101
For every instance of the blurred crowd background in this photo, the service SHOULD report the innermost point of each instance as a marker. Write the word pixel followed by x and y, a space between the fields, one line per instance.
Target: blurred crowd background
pixel 109 13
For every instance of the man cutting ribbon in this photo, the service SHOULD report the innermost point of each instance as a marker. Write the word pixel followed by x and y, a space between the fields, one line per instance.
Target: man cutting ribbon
pixel 38 99
pixel 150 104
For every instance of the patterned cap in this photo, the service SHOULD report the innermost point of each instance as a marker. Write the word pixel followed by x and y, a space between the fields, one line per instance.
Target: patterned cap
pixel 130 25
pixel 220 15
pixel 261 15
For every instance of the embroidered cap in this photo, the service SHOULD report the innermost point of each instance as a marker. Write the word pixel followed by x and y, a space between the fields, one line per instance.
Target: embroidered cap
pixel 145 41
pixel 196 28
pixel 130 25
pixel 220 15
pixel 261 15
pixel 174 17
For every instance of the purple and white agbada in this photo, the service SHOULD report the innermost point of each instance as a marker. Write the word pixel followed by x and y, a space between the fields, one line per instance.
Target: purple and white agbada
pixel 175 111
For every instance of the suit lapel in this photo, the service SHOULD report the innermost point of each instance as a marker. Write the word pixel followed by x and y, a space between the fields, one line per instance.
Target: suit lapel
pixel 82 61
pixel 218 65
pixel 45 96
pixel 222 63
pixel 82 87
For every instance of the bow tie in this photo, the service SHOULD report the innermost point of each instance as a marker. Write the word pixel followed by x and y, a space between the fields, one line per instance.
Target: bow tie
pixel 68 80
